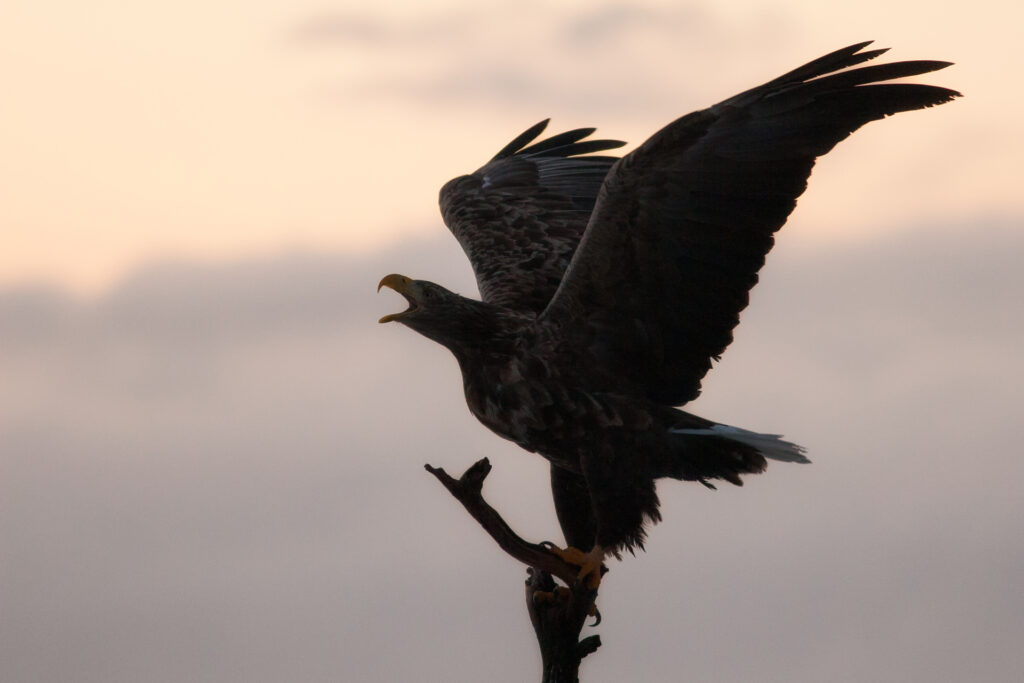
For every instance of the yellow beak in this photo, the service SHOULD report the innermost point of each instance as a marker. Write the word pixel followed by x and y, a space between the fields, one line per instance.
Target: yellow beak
pixel 400 284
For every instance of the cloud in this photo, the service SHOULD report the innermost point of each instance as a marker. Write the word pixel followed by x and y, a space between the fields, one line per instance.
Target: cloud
pixel 368 29
pixel 609 57
pixel 488 85
pixel 604 25
pixel 213 472
pixel 341 28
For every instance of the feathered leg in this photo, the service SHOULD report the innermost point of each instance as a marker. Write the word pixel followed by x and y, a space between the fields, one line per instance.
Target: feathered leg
pixel 574 508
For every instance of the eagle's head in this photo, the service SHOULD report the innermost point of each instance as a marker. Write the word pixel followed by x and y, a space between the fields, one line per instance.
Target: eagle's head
pixel 427 301
pixel 463 325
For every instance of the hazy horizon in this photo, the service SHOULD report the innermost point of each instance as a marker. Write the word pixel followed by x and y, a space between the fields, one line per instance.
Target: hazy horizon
pixel 215 473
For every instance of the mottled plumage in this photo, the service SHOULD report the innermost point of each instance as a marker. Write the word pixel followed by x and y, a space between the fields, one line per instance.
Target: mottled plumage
pixel 520 217
pixel 608 286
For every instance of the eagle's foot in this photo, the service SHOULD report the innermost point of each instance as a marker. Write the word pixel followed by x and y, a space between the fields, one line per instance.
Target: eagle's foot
pixel 559 594
pixel 591 564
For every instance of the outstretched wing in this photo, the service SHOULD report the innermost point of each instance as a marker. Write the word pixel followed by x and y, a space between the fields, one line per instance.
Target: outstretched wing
pixel 684 222
pixel 520 217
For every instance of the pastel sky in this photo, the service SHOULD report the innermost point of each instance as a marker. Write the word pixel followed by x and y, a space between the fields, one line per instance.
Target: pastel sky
pixel 211 455
pixel 134 132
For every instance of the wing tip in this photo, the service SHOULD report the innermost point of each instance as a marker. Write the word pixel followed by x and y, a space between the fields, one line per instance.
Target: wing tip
pixel 567 144
pixel 522 140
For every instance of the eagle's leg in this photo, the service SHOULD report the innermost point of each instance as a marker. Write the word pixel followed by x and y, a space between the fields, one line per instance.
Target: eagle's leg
pixel 574 507
pixel 579 526
pixel 576 517
pixel 622 494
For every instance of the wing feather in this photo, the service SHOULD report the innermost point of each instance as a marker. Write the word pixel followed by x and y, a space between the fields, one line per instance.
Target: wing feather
pixel 520 217
pixel 684 222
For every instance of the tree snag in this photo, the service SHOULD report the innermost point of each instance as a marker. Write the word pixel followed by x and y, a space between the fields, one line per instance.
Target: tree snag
pixel 557 612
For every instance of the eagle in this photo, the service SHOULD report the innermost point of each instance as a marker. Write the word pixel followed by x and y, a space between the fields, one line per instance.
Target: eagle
pixel 609 285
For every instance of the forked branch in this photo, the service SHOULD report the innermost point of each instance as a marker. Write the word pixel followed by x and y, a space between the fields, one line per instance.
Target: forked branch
pixel 557 613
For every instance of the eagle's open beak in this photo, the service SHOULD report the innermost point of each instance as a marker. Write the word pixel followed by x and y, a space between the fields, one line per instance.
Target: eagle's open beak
pixel 400 284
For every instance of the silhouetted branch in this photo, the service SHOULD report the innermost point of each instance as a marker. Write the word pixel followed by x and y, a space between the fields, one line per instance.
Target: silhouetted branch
pixel 557 612
pixel 557 622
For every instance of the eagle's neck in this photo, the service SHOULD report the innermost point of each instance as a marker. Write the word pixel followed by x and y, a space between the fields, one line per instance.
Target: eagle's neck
pixel 486 333
pixel 474 331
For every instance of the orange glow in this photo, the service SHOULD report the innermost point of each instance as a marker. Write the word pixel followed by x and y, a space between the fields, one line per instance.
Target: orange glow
pixel 209 130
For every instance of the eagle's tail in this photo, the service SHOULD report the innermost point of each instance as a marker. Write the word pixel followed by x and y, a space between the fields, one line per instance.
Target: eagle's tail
pixel 771 446
pixel 721 451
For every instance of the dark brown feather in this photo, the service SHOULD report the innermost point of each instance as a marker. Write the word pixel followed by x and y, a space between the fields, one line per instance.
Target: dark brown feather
pixel 520 217
pixel 684 222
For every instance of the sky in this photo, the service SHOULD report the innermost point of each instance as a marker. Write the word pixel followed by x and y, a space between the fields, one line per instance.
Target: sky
pixel 209 130
pixel 211 455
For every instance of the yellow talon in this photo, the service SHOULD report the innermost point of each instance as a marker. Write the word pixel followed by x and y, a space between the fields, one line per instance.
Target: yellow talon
pixel 591 564
pixel 559 594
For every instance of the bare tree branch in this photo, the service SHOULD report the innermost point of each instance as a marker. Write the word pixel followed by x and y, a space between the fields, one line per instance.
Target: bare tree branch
pixel 558 613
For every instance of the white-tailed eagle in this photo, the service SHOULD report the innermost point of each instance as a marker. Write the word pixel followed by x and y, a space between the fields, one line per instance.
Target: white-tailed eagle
pixel 608 285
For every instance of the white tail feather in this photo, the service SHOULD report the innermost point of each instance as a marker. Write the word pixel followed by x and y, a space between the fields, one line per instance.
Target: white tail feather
pixel 771 446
